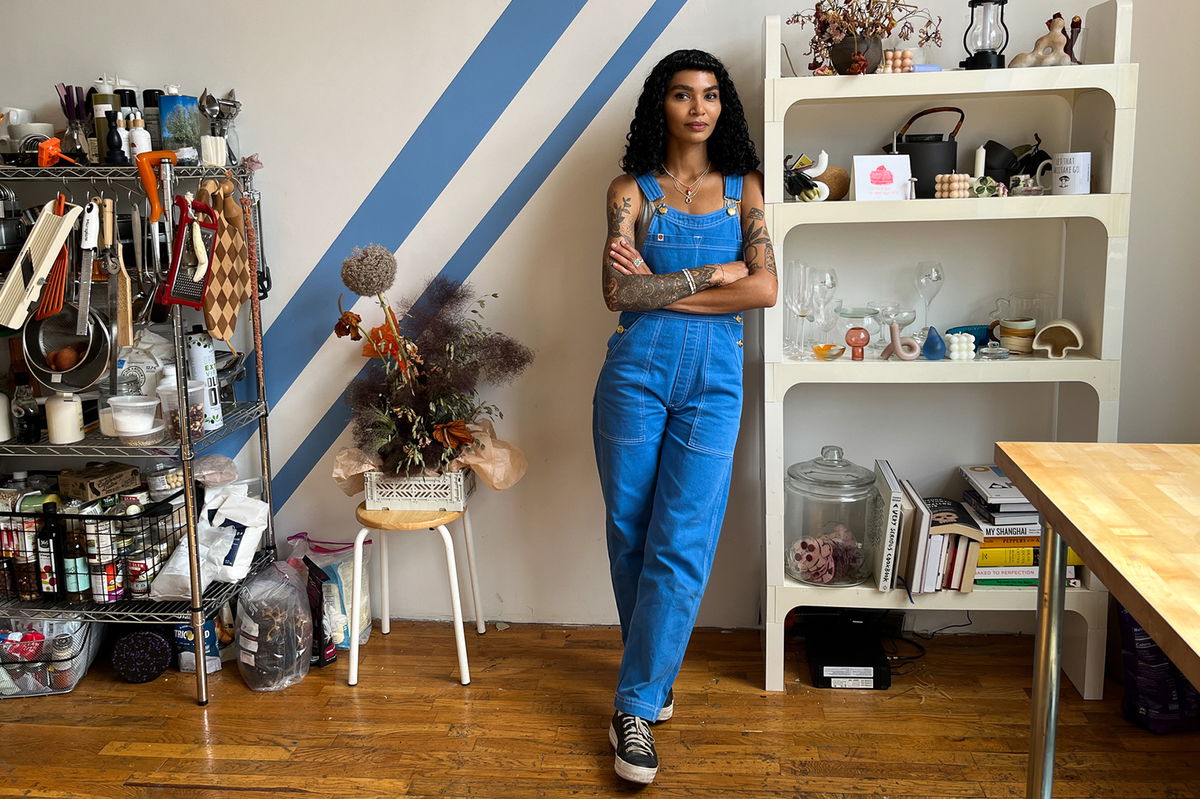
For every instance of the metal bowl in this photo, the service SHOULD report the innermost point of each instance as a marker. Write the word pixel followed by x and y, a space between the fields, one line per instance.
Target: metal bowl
pixel 41 337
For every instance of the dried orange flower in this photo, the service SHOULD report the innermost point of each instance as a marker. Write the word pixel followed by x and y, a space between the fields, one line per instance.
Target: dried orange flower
pixel 348 326
pixel 452 434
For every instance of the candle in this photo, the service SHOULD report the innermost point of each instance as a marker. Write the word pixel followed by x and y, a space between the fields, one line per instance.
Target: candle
pixel 980 155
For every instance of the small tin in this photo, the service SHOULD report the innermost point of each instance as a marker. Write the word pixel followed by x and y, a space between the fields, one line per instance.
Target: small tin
pixel 100 537
pixel 108 583
pixel 139 570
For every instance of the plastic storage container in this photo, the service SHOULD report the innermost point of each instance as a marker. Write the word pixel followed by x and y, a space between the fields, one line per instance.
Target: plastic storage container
pixel 828 504
pixel 132 415
pixel 170 404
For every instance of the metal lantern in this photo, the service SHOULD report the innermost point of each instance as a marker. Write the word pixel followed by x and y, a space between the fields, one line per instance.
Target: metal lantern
pixel 986 36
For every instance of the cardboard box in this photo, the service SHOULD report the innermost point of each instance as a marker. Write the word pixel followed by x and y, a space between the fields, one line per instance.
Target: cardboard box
pixel 98 481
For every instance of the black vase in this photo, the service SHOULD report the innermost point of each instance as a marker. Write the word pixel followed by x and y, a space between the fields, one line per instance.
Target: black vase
pixel 841 53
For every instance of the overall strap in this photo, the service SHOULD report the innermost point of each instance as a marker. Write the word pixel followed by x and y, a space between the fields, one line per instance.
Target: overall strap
pixel 733 194
pixel 649 187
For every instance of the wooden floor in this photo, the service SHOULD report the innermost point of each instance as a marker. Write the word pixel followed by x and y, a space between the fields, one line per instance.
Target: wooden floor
pixel 533 724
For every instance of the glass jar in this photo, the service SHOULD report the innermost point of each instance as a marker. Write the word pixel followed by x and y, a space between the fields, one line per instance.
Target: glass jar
pixel 827 507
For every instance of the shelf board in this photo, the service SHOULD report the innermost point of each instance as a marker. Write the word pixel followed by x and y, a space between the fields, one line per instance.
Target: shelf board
pixel 1119 81
pixel 122 173
pixel 1111 210
pixel 793 594
pixel 1104 376
pixel 145 611
pixel 96 445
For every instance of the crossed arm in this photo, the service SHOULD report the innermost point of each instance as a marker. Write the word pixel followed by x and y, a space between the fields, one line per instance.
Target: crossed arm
pixel 719 288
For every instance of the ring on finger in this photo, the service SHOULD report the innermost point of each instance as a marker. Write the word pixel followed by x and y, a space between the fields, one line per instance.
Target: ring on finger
pixel 638 262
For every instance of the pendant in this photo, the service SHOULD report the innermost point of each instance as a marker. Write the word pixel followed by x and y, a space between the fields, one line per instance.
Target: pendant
pixel 687 196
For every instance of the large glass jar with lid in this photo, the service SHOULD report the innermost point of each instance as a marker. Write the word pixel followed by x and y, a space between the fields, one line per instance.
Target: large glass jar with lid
pixel 827 508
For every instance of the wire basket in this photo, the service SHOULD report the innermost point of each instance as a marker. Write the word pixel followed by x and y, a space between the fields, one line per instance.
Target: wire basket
pixel 53 665
pixel 121 554
pixel 445 492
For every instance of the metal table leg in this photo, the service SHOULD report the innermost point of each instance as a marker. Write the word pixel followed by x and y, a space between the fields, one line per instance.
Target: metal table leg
pixel 1052 594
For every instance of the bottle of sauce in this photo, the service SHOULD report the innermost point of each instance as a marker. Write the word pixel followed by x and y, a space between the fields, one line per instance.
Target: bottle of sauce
pixel 27 417
pixel 50 544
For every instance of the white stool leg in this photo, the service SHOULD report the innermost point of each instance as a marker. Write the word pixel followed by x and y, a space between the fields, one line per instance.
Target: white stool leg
pixel 464 675
pixel 480 627
pixel 355 606
pixel 385 619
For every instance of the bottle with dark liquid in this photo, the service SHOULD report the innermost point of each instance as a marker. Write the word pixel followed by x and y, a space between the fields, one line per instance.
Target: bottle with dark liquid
pixel 50 543
pixel 27 416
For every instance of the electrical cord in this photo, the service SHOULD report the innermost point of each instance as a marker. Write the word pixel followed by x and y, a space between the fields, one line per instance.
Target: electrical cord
pixel 929 636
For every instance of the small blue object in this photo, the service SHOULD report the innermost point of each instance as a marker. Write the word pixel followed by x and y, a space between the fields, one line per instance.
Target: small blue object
pixel 935 346
pixel 926 68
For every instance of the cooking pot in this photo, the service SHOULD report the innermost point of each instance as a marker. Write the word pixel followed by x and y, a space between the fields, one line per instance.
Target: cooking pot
pixel 929 154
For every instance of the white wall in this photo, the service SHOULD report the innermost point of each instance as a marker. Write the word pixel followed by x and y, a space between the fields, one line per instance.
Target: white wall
pixel 331 94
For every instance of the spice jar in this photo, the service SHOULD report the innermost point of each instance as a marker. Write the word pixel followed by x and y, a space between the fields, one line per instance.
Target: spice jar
pixel 165 480
pixel 828 504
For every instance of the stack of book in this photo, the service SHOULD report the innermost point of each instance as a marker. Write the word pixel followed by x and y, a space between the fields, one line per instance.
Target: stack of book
pixel 1012 530
pixel 928 544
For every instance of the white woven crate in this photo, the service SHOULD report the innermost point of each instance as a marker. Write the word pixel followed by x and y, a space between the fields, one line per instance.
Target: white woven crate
pixel 447 492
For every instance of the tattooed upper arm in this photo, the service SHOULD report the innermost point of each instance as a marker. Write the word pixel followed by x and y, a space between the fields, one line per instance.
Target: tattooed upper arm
pixel 757 251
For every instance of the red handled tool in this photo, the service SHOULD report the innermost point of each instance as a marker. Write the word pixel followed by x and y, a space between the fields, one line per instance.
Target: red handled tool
pixel 191 255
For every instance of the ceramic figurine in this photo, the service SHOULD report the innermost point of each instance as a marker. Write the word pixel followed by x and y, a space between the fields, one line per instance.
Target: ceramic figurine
pixel 935 347
pixel 1048 51
pixel 1058 338
pixel 857 338
pixel 961 346
pixel 952 187
pixel 987 187
pixel 906 349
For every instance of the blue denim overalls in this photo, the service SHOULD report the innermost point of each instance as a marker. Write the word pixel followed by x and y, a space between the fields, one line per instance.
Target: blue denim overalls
pixel 665 420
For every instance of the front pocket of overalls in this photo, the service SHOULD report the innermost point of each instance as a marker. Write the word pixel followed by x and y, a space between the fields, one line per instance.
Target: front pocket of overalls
pixel 620 336
pixel 621 390
pixel 719 411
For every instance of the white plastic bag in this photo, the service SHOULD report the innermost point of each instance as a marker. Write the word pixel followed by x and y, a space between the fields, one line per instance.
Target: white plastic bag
pixel 337 559
pixel 240 522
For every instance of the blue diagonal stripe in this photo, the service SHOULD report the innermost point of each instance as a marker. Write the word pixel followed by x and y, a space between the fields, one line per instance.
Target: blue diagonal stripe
pixel 514 46
pixel 501 214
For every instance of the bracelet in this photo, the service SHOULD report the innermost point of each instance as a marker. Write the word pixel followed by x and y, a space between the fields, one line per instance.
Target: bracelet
pixel 691 281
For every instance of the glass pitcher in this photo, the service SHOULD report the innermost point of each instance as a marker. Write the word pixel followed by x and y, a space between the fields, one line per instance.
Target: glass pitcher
pixel 828 503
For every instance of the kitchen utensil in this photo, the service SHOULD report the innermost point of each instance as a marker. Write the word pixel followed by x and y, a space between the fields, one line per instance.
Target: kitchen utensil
pixel 210 107
pixel 41 337
pixel 50 153
pixel 88 240
pixel 23 286
pixel 146 162
pixel 929 154
pixel 190 256
pixel 124 301
pixel 232 282
pixel 51 301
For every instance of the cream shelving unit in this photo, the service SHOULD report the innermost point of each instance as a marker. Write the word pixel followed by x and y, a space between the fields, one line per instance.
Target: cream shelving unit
pixel 1101 98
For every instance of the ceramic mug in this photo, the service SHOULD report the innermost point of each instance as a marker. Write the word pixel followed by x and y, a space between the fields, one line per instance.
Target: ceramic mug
pixel 1070 173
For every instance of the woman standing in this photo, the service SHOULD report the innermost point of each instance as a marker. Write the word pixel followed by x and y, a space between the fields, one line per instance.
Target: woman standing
pixel 687 253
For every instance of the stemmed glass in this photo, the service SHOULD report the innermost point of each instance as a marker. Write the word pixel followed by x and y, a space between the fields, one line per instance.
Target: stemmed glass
pixel 797 298
pixel 887 314
pixel 824 283
pixel 931 276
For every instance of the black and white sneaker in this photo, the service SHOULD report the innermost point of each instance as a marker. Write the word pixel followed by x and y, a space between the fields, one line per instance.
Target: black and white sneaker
pixel 631 737
pixel 668 708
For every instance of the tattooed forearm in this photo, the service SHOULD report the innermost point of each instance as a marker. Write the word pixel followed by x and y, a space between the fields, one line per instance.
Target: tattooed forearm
pixel 650 292
pixel 618 212
pixel 756 243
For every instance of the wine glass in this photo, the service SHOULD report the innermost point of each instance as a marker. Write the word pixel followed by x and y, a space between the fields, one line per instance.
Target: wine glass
pixel 797 298
pixel 823 282
pixel 931 276
pixel 887 314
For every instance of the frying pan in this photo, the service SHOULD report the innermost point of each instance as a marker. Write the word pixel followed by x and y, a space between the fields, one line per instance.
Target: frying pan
pixel 41 337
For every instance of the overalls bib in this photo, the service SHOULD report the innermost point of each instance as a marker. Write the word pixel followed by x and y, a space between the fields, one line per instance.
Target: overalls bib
pixel 665 421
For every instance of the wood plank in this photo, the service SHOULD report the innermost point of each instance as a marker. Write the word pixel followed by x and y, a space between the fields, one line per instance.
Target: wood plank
pixel 957 726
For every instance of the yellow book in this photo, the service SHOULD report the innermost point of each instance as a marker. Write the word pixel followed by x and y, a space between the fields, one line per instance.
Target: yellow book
pixel 1018 556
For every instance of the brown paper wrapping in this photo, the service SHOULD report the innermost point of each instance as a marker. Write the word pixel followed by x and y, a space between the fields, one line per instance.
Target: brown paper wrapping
pixel 349 466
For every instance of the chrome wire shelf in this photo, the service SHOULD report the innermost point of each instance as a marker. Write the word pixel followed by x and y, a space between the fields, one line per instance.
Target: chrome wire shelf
pixel 95 445
pixel 140 611
pixel 52 173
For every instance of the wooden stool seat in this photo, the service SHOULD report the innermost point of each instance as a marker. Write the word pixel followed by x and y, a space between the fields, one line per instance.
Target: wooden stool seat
pixel 404 519
pixel 385 522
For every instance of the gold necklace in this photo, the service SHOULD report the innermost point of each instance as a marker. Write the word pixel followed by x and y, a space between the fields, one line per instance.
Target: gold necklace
pixel 689 190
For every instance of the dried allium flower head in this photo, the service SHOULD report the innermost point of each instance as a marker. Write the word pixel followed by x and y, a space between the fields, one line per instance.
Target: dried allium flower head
pixel 369 271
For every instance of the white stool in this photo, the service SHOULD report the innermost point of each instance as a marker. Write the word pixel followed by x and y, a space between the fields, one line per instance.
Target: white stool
pixel 389 521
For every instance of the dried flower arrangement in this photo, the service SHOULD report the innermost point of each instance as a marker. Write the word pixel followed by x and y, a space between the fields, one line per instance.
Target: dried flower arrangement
pixel 834 20
pixel 835 557
pixel 414 407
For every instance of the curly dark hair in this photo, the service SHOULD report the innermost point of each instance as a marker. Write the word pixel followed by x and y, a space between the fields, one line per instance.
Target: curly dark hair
pixel 729 147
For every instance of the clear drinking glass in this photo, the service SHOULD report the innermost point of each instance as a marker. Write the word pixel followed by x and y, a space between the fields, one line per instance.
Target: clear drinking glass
pixel 797 298
pixel 931 276
pixel 823 282
pixel 887 314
